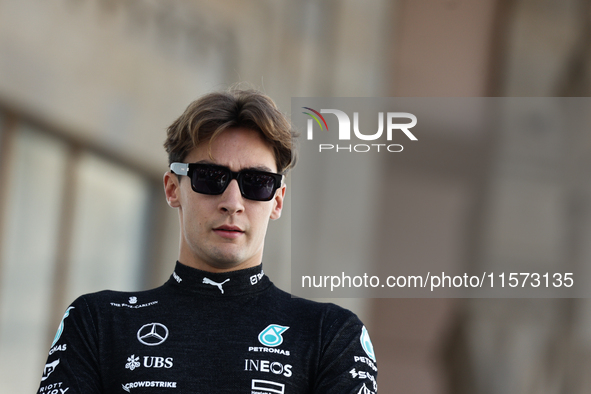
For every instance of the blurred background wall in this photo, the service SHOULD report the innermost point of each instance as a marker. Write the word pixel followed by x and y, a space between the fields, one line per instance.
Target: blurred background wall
pixel 87 88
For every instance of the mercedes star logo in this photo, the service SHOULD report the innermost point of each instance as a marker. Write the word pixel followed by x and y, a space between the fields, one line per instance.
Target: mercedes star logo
pixel 152 334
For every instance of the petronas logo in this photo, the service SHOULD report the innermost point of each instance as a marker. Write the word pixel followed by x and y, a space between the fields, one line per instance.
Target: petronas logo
pixel 60 329
pixel 366 344
pixel 271 336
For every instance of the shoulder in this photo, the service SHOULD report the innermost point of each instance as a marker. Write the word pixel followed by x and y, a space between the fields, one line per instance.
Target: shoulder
pixel 329 316
pixel 311 305
pixel 346 360
pixel 110 300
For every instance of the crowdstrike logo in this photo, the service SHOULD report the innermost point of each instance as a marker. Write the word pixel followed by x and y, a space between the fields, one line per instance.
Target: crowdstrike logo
pixel 148 383
pixel 393 123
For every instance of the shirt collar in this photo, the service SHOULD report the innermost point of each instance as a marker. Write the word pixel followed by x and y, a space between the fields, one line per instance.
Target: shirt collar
pixel 240 282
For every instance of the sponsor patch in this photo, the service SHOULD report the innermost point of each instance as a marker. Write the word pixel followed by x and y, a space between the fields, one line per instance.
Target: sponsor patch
pixel 152 334
pixel 60 328
pixel 54 388
pixel 59 348
pixel 176 277
pixel 364 375
pixel 208 281
pixel 271 336
pixel 365 390
pixel 49 368
pixel 366 344
pixel 259 386
pixel 255 278
pixel 130 306
pixel 133 362
pixel 274 367
pixel 148 383
pixel 260 349
pixel 365 360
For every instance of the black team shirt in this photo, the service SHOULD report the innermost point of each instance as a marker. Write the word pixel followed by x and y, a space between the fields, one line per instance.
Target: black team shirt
pixel 205 332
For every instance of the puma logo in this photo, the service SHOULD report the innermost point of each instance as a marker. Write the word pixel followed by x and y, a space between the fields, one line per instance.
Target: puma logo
pixel 211 282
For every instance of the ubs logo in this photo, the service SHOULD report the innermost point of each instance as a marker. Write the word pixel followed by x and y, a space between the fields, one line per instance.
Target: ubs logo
pixel 152 334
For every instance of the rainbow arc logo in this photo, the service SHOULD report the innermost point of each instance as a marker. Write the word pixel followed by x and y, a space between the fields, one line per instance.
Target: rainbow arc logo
pixel 316 117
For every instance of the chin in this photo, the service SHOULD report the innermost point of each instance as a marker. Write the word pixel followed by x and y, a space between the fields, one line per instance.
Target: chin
pixel 222 261
pixel 226 264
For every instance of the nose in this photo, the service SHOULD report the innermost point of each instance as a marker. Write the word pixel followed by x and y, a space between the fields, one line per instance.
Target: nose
pixel 231 200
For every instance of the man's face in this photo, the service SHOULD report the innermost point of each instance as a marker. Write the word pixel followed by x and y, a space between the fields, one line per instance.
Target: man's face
pixel 224 232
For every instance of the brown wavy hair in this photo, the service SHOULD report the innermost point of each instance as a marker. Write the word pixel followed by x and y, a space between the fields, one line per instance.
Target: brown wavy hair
pixel 205 118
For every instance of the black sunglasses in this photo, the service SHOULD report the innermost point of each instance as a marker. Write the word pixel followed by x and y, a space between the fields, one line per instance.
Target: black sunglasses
pixel 213 179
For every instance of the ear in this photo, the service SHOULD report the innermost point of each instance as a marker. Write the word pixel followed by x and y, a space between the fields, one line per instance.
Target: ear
pixel 172 189
pixel 278 203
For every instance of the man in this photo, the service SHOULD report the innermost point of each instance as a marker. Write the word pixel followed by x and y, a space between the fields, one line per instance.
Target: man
pixel 218 325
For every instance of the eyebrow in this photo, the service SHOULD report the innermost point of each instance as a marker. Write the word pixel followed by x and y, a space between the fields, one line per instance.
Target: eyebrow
pixel 258 168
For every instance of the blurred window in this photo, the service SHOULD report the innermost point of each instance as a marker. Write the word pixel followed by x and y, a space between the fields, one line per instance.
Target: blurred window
pixel 2 121
pixel 107 237
pixel 29 243
pixel 71 222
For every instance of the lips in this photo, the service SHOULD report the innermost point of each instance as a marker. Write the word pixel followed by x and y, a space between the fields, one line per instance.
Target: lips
pixel 228 231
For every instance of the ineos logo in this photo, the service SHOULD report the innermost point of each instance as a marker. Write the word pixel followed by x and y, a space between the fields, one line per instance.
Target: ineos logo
pixel 152 334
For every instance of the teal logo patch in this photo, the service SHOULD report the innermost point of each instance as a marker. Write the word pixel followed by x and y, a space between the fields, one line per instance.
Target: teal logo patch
pixel 271 336
pixel 366 344
pixel 60 329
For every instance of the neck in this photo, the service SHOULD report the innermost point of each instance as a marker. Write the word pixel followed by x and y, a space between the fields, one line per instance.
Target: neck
pixel 219 284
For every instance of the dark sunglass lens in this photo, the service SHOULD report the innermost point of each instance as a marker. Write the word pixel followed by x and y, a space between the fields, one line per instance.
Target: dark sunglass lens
pixel 258 186
pixel 210 180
